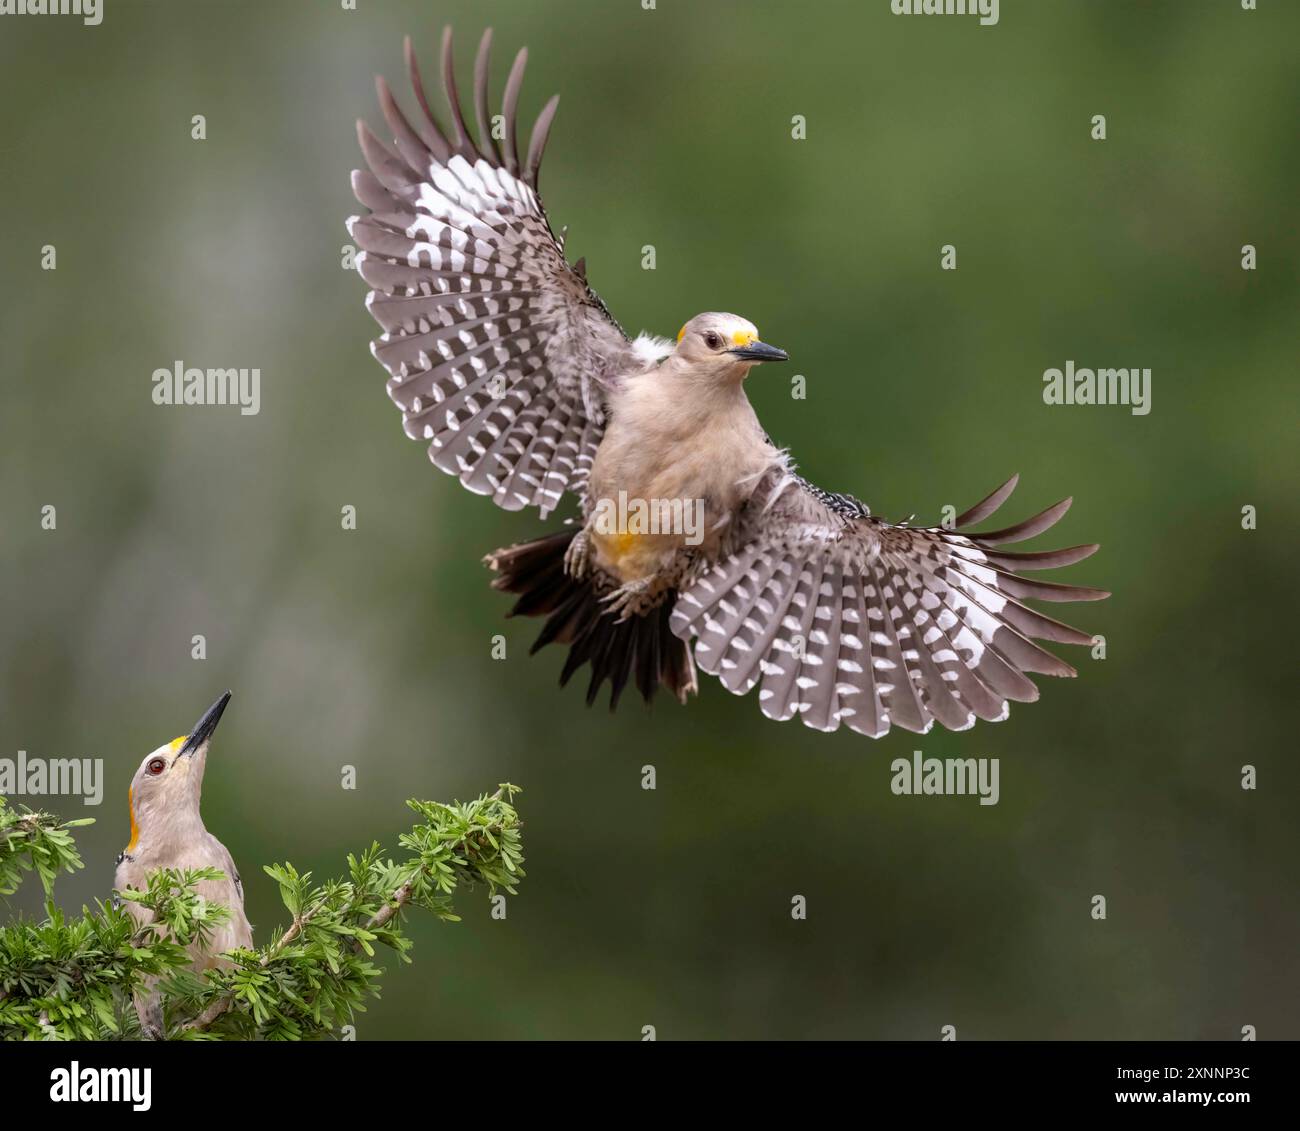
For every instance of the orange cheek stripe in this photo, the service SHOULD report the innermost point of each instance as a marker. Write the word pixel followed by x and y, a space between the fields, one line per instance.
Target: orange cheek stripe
pixel 135 829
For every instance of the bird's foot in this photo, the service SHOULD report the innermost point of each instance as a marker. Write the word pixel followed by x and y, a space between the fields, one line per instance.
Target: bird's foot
pixel 578 555
pixel 151 1019
pixel 629 600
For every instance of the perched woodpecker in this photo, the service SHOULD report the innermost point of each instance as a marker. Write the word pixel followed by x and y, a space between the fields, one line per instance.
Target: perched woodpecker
pixel 167 831
pixel 504 360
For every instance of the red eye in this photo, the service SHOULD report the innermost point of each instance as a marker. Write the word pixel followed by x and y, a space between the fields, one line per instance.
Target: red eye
pixel 156 765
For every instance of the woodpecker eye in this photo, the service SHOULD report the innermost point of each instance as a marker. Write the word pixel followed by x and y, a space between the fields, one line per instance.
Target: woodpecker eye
pixel 712 340
pixel 156 766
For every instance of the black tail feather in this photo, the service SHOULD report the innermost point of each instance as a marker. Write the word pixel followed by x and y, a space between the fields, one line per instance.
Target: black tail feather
pixel 642 649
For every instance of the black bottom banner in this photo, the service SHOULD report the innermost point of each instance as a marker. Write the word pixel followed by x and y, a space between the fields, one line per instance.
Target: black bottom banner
pixel 611 1081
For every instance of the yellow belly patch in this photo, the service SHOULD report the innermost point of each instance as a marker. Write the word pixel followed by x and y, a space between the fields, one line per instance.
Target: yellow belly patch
pixel 623 543
pixel 620 551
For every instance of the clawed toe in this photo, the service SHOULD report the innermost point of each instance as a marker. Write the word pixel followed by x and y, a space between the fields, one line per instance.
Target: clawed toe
pixel 623 600
pixel 576 556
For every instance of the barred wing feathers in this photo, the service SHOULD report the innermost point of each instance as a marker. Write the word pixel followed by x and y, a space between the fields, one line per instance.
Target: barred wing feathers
pixel 498 352
pixel 838 616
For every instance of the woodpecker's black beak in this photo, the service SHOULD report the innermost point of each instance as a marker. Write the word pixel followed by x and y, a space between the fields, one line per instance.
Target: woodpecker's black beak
pixel 205 726
pixel 759 351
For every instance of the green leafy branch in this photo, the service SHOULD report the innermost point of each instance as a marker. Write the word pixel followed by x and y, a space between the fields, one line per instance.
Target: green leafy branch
pixel 74 980
pixel 31 840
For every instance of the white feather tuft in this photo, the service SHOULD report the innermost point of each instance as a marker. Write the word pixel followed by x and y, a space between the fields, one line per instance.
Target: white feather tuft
pixel 650 350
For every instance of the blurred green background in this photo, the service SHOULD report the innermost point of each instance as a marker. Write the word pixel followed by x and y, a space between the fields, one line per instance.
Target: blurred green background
pixel 372 648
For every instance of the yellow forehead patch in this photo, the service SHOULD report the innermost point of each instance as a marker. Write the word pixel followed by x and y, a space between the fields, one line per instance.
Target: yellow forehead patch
pixel 177 743
pixel 743 337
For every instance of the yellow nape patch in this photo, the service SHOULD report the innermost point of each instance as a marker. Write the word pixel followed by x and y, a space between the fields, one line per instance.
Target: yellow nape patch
pixel 682 332
pixel 743 337
pixel 135 829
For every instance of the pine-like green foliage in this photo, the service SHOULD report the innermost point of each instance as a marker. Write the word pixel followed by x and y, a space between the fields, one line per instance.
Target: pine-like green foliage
pixel 73 979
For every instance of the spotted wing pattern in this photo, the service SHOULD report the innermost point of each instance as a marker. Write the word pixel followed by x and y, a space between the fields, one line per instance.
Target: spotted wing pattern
pixel 498 353
pixel 838 616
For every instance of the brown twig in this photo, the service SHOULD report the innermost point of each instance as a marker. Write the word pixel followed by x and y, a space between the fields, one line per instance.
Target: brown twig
pixel 219 1006
pixel 399 899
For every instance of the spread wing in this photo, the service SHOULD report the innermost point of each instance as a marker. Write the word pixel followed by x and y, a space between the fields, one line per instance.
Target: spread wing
pixel 498 352
pixel 839 616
